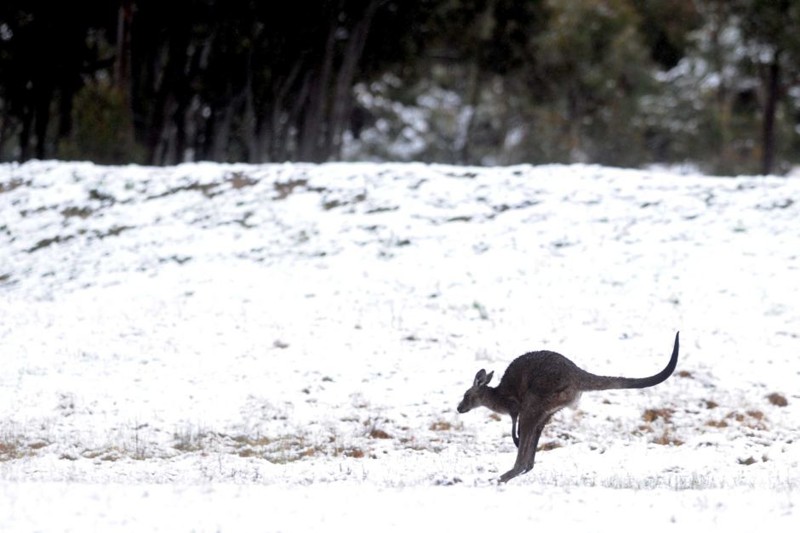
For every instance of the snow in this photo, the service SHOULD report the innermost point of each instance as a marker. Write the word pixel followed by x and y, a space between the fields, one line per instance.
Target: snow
pixel 281 347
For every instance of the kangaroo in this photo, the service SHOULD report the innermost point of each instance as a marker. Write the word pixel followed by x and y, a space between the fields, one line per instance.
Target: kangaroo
pixel 537 385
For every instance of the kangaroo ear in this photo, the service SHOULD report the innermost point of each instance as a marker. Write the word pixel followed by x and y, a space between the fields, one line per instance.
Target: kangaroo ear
pixel 481 378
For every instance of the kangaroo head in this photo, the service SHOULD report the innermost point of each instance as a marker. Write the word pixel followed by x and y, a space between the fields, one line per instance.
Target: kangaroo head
pixel 474 396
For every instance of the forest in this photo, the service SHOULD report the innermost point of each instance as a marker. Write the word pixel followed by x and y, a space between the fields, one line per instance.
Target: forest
pixel 710 83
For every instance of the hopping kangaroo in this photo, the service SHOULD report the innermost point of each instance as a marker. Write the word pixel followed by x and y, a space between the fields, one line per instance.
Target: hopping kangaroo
pixel 535 386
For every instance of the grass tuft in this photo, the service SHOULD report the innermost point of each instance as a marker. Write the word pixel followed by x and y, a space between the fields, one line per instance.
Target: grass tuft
pixel 9 450
pixel 14 446
pixel 651 415
pixel 444 425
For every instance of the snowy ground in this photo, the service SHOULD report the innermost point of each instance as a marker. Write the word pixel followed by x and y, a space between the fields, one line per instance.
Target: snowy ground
pixel 281 348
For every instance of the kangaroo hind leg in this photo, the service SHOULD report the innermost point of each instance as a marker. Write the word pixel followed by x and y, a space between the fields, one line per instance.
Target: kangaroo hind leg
pixel 531 425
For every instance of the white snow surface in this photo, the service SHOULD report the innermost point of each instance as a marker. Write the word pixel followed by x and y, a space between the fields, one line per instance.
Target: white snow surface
pixel 214 347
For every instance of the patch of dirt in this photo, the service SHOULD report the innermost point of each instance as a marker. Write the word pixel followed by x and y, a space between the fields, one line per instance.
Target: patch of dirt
pixel 285 188
pixel 11 185
pixel 752 419
pixel 44 243
pixel 379 434
pixel 778 399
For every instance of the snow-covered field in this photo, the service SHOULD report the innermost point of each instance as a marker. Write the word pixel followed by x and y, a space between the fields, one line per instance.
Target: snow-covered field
pixel 281 347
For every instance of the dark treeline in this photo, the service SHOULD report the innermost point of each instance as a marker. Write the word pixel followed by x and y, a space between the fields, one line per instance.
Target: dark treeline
pixel 625 82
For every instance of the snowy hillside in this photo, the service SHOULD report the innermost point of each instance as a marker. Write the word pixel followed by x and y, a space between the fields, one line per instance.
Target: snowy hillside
pixel 281 347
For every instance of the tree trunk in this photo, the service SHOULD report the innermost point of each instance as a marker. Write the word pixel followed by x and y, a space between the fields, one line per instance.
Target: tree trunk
pixel 770 108
pixel 42 111
pixel 25 133
pixel 463 137
pixel 222 132
pixel 724 96
pixel 574 122
pixel 342 103
pixel 67 94
pixel 174 74
pixel 281 115
pixel 486 22
pixel 183 102
pixel 251 126
pixel 314 122
pixel 122 64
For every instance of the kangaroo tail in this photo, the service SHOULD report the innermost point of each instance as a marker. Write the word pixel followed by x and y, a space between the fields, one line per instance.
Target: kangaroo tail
pixel 593 382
